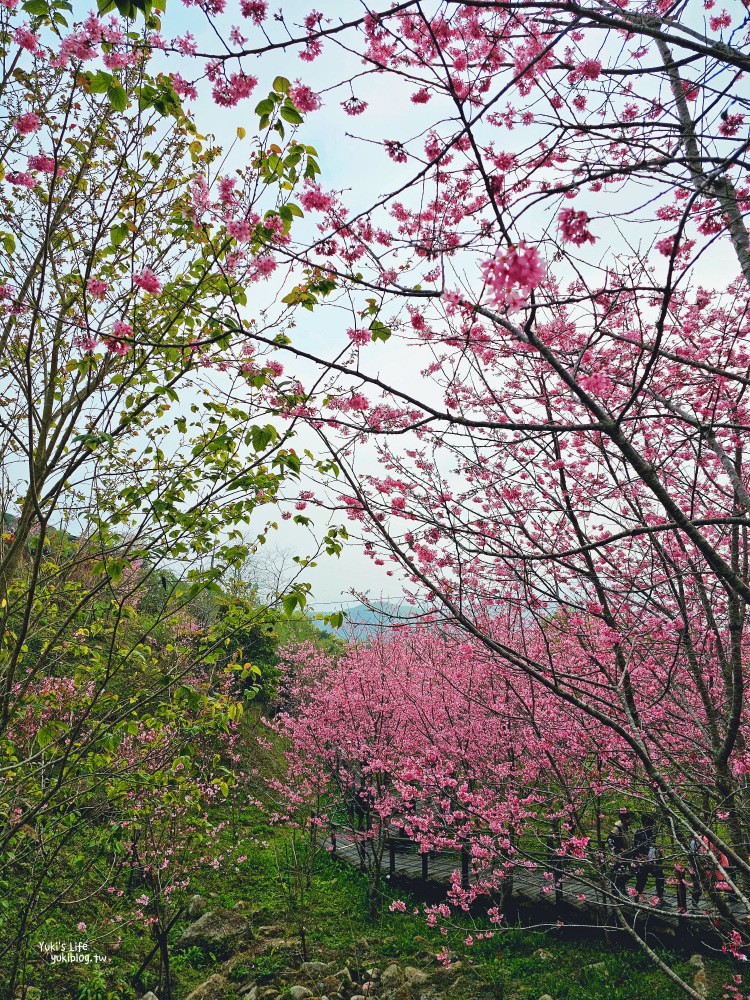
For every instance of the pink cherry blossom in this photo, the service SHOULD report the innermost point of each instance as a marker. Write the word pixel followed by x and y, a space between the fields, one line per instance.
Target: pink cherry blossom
pixel 303 97
pixel 26 38
pixel 574 227
pixel 147 280
pixel 97 288
pixel 22 179
pixel 512 274
pixel 27 123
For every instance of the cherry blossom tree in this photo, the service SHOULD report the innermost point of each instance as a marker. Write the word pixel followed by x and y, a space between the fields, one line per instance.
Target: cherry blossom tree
pixel 425 734
pixel 566 480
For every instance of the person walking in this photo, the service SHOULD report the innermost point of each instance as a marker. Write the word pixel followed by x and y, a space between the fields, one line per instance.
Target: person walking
pixel 648 857
pixel 621 842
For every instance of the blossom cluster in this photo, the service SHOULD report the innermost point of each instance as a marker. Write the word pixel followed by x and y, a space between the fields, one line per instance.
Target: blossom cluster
pixel 511 275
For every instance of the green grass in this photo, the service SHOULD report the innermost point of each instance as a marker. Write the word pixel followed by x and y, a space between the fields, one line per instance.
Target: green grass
pixel 508 967
pixel 511 966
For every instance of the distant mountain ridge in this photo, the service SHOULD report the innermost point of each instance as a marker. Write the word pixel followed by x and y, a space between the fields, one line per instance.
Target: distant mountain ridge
pixel 363 623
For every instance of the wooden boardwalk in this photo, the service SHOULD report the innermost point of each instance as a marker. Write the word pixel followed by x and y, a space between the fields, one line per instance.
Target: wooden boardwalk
pixel 573 899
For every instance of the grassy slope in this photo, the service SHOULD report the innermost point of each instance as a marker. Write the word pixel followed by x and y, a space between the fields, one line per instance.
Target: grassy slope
pixel 508 967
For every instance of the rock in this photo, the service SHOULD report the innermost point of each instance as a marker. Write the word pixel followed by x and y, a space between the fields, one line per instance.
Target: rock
pixel 696 962
pixel 237 961
pixel 545 996
pixel 271 930
pixel 314 968
pixel 266 993
pixel 251 994
pixel 450 969
pixel 700 983
pixel 240 905
pixel 279 944
pixel 196 908
pixel 415 977
pixel 215 988
pixel 345 975
pixel 542 955
pixel 149 996
pixel 218 932
pixel 597 967
pixel 358 996
pixel 300 993
pixel 391 976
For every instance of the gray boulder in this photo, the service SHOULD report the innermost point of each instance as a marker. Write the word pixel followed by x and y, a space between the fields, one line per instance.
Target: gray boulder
pixel 415 977
pixel 215 988
pixel 314 968
pixel 218 932
pixel 392 976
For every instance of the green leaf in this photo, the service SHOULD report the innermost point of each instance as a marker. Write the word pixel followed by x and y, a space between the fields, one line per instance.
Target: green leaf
pixel 49 732
pixel 118 234
pixel 264 107
pixel 262 436
pixel 290 114
pixel 281 85
pixel 117 96
pixel 100 82
pixel 379 330
pixel 37 8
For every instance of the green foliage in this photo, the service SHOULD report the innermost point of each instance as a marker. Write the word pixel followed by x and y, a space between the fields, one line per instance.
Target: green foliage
pixel 129 8
pixel 95 986
pixel 126 663
pixel 194 957
pixel 266 966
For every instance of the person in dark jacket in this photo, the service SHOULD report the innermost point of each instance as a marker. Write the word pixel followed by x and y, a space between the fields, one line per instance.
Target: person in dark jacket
pixel 648 857
pixel 621 842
